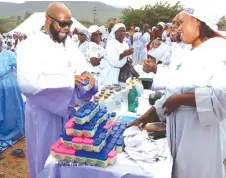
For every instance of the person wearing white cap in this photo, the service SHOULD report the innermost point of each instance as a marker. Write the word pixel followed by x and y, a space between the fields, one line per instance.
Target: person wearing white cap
pixel 95 53
pixel 83 44
pixel 194 101
pixel 117 51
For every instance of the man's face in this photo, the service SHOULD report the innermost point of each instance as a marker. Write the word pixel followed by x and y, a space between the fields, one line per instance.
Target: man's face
pixel 60 28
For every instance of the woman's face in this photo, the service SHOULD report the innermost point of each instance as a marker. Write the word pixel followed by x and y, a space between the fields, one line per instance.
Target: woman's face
pixel 97 36
pixel 81 37
pixel 189 28
pixel 120 34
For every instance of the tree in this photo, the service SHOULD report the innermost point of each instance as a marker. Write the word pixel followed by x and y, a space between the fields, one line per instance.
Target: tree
pixel 222 23
pixel 27 14
pixel 18 18
pixel 151 14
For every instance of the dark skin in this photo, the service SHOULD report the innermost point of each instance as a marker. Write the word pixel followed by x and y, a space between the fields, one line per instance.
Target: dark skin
pixel 60 12
pixel 187 24
pixel 120 35
pixel 96 38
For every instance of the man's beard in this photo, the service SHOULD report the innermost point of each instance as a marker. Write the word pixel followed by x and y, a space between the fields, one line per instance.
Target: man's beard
pixel 55 35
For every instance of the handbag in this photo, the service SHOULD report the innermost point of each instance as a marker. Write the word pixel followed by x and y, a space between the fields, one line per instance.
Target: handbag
pixel 127 71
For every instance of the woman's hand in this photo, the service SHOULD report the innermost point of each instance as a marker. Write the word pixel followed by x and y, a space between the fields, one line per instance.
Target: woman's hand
pixel 79 80
pixel 172 104
pixel 143 120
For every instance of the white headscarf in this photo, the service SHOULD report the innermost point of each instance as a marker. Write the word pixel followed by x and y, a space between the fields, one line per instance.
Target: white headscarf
pixel 115 29
pixel 206 12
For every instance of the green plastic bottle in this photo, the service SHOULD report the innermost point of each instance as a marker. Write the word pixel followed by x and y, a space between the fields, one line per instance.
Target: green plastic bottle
pixel 133 100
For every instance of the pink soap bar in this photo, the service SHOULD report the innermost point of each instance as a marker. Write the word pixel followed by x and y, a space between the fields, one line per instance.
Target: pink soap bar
pixel 77 140
pixel 59 151
pixel 113 123
pixel 88 141
pixel 70 152
pixel 53 148
pixel 112 154
pixel 108 126
pixel 69 125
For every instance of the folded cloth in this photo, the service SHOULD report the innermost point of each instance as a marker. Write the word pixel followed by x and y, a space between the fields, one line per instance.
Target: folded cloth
pixel 139 146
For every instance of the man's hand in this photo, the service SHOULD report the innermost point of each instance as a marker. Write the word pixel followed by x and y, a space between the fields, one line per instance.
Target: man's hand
pixel 79 80
pixel 149 66
pixel 88 76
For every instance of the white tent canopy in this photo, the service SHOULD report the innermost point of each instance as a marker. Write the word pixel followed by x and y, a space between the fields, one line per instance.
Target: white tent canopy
pixel 36 21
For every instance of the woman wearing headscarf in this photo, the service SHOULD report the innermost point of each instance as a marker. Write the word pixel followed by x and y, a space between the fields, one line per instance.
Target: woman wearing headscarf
pixel 83 44
pixel 194 101
pixel 95 52
pixel 117 51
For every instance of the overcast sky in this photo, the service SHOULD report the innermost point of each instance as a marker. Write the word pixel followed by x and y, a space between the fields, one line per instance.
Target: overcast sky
pixel 139 3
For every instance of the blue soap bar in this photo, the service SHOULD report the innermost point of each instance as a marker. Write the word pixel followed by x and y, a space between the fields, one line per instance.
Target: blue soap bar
pixel 119 131
pixel 114 140
pixel 80 153
pixel 113 132
pixel 104 111
pixel 87 112
pixel 97 142
pixel 120 142
pixel 80 115
pixel 88 127
pixel 78 127
pixel 121 136
pixel 102 136
pixel 102 157
pixel 116 136
pixel 115 128
pixel 117 124
pixel 110 146
pixel 67 138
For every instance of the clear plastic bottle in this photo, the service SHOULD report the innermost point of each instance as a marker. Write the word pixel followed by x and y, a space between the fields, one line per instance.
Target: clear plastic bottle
pixel 101 101
pixel 108 103
pixel 118 100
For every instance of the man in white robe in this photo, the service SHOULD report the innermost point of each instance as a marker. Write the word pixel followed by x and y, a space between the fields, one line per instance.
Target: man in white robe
pixel 49 67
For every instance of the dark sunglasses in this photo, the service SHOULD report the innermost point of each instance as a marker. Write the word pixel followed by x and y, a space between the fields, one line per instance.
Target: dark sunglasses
pixel 62 24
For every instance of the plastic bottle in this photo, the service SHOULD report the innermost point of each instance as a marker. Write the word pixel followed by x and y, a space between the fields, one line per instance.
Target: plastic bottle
pixel 108 103
pixel 133 100
pixel 101 101
pixel 118 100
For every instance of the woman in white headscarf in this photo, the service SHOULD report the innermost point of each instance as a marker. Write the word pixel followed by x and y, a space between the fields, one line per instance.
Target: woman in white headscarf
pixel 95 51
pixel 194 101
pixel 83 44
pixel 117 51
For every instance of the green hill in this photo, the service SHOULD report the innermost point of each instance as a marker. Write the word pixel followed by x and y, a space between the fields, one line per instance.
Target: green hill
pixel 81 10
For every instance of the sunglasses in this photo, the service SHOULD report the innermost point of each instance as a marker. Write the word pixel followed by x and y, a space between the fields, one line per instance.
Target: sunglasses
pixel 62 24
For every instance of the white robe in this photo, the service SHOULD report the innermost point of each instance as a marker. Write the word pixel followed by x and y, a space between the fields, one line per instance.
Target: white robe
pixel 110 73
pixel 96 51
pixel 196 136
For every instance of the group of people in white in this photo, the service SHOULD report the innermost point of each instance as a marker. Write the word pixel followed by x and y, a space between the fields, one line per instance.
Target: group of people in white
pixel 188 54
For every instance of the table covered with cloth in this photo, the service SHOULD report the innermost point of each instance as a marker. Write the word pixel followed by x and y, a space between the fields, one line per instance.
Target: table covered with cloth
pixel 125 167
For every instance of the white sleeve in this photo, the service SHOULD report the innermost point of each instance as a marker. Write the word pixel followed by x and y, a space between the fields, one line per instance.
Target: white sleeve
pixel 211 101
pixel 161 78
pixel 47 85
pixel 93 51
pixel 113 55
pixel 158 106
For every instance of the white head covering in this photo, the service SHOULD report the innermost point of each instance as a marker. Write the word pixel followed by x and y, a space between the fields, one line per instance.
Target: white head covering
pixel 154 27
pixel 85 32
pixel 137 29
pixel 206 12
pixel 115 29
pixel 162 24
pixel 93 28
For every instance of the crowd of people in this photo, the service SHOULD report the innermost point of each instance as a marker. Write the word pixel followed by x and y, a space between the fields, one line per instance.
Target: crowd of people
pixel 49 67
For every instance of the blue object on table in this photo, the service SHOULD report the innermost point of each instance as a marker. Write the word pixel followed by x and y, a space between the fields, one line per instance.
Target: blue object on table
pixel 120 142
pixel 126 119
pixel 117 136
pixel 97 142
pixel 78 127
pixel 102 136
pixel 114 140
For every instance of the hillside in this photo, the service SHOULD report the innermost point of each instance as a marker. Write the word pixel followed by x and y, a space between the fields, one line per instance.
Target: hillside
pixel 81 10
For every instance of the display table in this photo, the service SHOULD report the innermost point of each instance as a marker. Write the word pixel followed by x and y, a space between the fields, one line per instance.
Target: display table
pixel 124 168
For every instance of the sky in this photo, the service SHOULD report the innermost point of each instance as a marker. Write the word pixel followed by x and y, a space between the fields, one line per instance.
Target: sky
pixel 219 5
